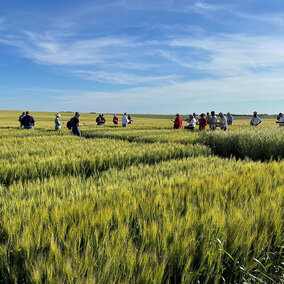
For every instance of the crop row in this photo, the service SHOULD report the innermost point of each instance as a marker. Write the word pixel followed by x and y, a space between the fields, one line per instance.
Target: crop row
pixel 257 144
pixel 39 157
pixel 198 219
pixel 260 144
pixel 144 136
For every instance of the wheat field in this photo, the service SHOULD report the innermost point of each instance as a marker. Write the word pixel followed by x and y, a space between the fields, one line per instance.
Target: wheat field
pixel 143 204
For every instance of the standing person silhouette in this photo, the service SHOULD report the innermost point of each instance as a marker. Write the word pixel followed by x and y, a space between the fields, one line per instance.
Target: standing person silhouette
pixel 213 120
pixel 28 121
pixel 20 119
pixel 255 121
pixel 57 122
pixel 124 120
pixel 75 122
pixel 177 122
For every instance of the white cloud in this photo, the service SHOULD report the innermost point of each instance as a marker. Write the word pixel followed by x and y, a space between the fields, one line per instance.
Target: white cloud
pixel 231 55
pixel 122 78
pixel 116 60
pixel 46 50
pixel 184 97
pixel 208 10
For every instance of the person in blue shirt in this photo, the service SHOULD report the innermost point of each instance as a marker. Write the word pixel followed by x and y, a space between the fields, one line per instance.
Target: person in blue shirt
pixel 230 118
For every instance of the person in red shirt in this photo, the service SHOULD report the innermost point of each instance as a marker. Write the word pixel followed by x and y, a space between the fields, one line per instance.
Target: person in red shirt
pixel 115 119
pixel 202 122
pixel 177 122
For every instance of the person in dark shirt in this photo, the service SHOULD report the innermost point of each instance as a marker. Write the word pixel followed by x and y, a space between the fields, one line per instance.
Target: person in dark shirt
pixel 130 120
pixel 99 120
pixel 20 119
pixel 76 124
pixel 28 121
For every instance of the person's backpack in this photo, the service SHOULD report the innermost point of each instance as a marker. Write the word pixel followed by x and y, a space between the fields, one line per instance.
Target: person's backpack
pixel 69 124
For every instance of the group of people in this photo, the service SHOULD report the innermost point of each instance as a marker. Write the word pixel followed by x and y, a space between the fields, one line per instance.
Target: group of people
pixel 74 123
pixel 100 120
pixel 204 120
pixel 126 119
pixel 28 122
pixel 212 121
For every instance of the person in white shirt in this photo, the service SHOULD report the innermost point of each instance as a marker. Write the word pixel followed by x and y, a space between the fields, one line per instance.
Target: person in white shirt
pixel 124 120
pixel 223 122
pixel 255 121
pixel 195 117
pixel 280 119
pixel 192 123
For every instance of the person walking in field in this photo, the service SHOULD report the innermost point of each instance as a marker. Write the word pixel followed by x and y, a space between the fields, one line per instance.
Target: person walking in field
pixel 202 122
pixel 280 119
pixel 28 121
pixel 20 119
pixel 115 119
pixel 230 118
pixel 124 120
pixel 57 122
pixel 177 122
pixel 255 121
pixel 213 121
pixel 223 122
pixel 75 124
pixel 192 123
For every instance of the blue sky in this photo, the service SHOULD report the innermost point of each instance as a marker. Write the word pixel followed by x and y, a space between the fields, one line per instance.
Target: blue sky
pixel 142 56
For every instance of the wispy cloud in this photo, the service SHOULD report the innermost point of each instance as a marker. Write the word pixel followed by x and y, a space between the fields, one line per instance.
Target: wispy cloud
pixel 123 78
pixel 227 55
pixel 50 51
pixel 210 10
pixel 166 59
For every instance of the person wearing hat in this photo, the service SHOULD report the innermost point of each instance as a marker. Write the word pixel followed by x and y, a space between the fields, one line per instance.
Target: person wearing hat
pixel 57 122
pixel 255 121
pixel 223 122
pixel 177 122
pixel 280 119
pixel 75 122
